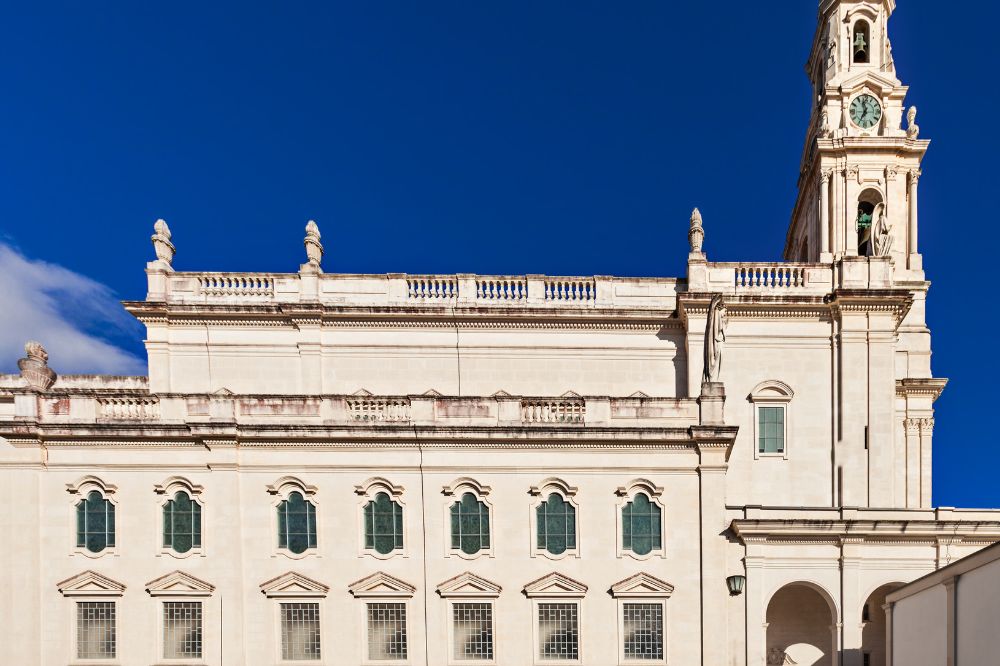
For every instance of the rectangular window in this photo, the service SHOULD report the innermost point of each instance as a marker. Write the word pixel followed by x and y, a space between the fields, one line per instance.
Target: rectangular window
pixel 300 632
pixel 771 429
pixel 472 631
pixel 95 630
pixel 558 631
pixel 182 630
pixel 643 631
pixel 387 631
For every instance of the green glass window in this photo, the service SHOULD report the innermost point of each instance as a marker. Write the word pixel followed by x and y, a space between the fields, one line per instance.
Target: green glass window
pixel 296 523
pixel 771 429
pixel 641 526
pixel 181 523
pixel 383 524
pixel 556 525
pixel 470 525
pixel 95 523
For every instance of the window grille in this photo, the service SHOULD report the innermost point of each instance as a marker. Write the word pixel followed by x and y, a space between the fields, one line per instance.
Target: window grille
pixel 296 523
pixel 95 630
pixel 771 429
pixel 182 630
pixel 641 525
pixel 182 523
pixel 470 525
pixel 95 523
pixel 556 525
pixel 643 628
pixel 472 629
pixel 387 631
pixel 300 637
pixel 383 524
pixel 558 631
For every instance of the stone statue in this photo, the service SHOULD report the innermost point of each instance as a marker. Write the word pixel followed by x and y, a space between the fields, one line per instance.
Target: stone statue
pixel 824 124
pixel 715 339
pixel 314 249
pixel 161 243
pixel 696 234
pixel 831 56
pixel 35 370
pixel 778 657
pixel 912 128
pixel 881 232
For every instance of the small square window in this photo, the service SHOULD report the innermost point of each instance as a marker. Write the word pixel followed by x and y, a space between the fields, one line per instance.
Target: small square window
pixel 96 630
pixel 771 429
pixel 387 631
pixel 182 630
pixel 472 631
pixel 558 631
pixel 300 633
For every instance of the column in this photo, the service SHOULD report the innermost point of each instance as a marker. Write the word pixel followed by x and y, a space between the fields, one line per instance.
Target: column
pixel 915 263
pixel 714 594
pixel 756 615
pixel 824 216
pixel 888 633
pixel 926 434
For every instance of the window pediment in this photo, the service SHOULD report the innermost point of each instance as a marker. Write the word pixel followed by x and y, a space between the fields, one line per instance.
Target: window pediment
pixel 555 585
pixel 179 584
pixel 469 584
pixel 381 584
pixel 642 585
pixel 293 584
pixel 90 584
pixel 86 483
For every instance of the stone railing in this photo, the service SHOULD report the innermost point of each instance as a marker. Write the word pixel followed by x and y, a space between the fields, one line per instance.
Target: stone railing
pixel 128 409
pixel 770 276
pixel 379 410
pixel 552 411
pixel 570 290
pixel 235 284
pixel 502 289
pixel 435 288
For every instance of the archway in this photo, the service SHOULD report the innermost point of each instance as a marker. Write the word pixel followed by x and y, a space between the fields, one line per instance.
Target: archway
pixel 800 624
pixel 873 626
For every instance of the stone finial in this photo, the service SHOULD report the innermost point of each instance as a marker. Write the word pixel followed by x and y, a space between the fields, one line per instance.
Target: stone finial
pixel 314 249
pixel 912 128
pixel 696 234
pixel 35 370
pixel 165 250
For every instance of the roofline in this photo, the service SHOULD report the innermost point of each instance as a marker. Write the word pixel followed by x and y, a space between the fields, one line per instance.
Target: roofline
pixel 968 563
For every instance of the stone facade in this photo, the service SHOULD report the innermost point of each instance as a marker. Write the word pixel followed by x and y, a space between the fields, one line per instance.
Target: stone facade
pixel 324 427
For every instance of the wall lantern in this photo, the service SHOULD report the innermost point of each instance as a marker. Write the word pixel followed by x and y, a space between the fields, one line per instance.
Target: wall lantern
pixel 735 584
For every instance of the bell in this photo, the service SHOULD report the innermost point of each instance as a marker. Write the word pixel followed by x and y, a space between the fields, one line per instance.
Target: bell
pixel 860 46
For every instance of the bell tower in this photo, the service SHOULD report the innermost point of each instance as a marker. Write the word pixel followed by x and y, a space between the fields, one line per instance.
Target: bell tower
pixel 860 166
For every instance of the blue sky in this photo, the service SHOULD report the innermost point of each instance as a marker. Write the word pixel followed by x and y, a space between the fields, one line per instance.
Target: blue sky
pixel 510 137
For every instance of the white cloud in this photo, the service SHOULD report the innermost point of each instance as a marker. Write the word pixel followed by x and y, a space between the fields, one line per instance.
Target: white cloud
pixel 62 310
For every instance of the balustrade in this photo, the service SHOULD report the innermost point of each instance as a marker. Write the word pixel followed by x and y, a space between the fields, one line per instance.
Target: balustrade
pixel 379 410
pixel 552 411
pixel 432 288
pixel 770 277
pixel 128 409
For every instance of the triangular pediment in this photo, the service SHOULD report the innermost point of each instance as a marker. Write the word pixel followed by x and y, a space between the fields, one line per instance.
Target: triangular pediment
pixel 178 583
pixel 362 393
pixel 432 393
pixel 468 584
pixel 381 584
pixel 502 394
pixel 639 394
pixel 293 584
pixel 223 392
pixel 642 585
pixel 555 584
pixel 877 81
pixel 570 394
pixel 90 584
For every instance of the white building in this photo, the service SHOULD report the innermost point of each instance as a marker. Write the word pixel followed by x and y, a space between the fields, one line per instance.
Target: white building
pixel 465 469
pixel 948 617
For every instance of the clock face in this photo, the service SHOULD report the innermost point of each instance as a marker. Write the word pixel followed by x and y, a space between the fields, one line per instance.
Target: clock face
pixel 866 111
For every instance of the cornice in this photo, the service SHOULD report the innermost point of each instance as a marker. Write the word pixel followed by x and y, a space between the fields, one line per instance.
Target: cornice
pixel 931 387
pixel 867 531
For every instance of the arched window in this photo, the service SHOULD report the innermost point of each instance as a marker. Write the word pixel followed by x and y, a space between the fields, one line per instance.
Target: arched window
pixel 181 523
pixel 861 42
pixel 383 524
pixel 296 523
pixel 642 525
pixel 868 205
pixel 556 523
pixel 95 522
pixel 470 525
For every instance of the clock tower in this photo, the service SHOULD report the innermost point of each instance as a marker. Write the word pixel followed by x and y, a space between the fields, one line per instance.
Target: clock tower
pixel 860 166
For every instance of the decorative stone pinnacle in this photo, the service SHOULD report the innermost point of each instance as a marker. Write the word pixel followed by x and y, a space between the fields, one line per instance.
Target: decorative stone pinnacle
pixel 314 249
pixel 696 234
pixel 35 370
pixel 165 250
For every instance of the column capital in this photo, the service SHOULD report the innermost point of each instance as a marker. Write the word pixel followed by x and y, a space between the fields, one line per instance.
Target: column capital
pixel 915 175
pixel 825 175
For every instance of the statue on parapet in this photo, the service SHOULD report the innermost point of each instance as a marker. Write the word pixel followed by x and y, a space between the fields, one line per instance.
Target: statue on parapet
pixel 314 249
pixel 35 370
pixel 715 339
pixel 881 232
pixel 165 250
pixel 696 233
pixel 912 128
